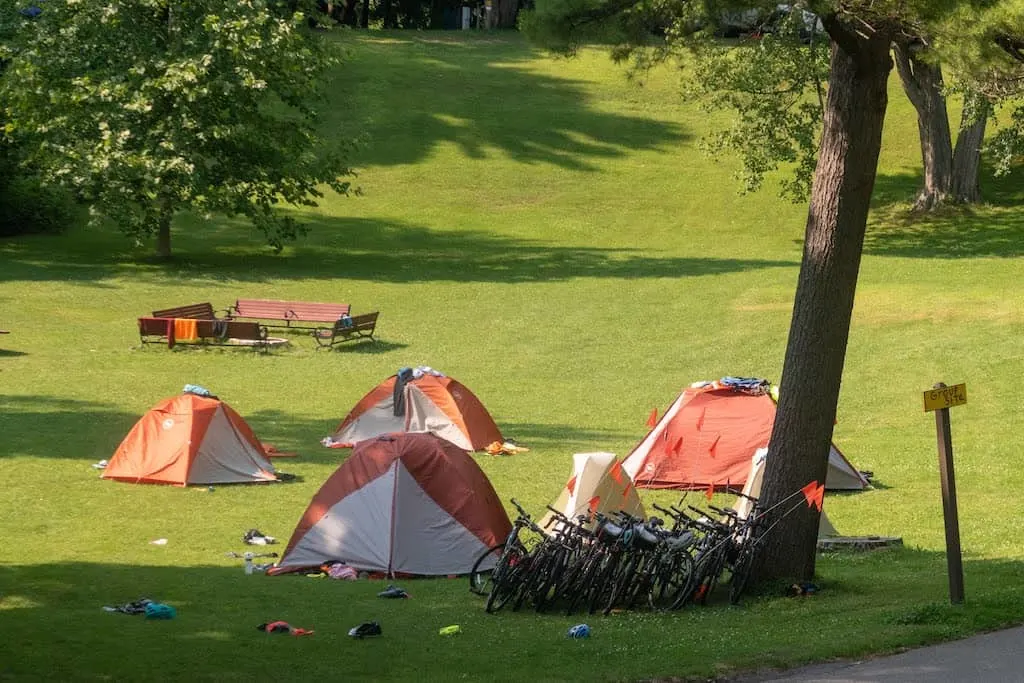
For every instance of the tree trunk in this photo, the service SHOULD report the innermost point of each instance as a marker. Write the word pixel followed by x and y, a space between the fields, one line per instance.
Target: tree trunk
pixel 163 230
pixel 967 155
pixel 837 218
pixel 923 84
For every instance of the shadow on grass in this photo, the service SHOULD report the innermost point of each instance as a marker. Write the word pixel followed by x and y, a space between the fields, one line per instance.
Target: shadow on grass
pixel 356 249
pixel 8 353
pixel 987 229
pixel 879 601
pixel 553 435
pixel 374 347
pixel 408 93
pixel 87 430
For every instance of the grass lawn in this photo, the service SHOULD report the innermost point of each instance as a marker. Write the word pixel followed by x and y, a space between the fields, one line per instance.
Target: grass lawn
pixel 548 233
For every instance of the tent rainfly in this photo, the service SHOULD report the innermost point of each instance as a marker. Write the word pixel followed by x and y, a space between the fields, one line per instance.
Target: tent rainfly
pixel 709 435
pixel 190 439
pixel 419 400
pixel 400 504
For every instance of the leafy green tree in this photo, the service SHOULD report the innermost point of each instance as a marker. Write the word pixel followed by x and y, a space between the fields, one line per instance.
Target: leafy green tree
pixel 149 107
pixel 861 33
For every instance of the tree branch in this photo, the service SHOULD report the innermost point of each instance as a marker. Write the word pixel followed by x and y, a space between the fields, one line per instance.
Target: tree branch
pixel 1012 45
pixel 905 68
pixel 841 34
pixel 600 13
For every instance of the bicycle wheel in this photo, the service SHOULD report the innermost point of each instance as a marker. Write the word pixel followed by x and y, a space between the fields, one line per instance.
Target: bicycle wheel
pixel 741 573
pixel 506 578
pixel 624 579
pixel 480 579
pixel 673 581
pixel 549 584
pixel 600 589
pixel 709 568
pixel 577 591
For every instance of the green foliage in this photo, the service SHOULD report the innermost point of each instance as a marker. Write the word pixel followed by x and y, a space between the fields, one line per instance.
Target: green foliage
pixel 770 91
pixel 28 205
pixel 572 257
pixel 773 89
pixel 148 107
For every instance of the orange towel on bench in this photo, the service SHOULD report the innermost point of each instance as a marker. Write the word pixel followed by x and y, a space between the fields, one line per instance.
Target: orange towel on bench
pixel 185 329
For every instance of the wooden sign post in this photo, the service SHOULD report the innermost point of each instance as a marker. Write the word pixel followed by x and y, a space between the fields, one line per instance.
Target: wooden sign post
pixel 940 399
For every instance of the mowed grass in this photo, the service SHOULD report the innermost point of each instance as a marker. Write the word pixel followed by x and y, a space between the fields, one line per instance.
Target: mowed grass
pixel 547 232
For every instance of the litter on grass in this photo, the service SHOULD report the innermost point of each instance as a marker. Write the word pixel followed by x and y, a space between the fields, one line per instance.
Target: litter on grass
pixel 366 629
pixel 392 592
pixel 284 627
pixel 257 537
pixel 579 631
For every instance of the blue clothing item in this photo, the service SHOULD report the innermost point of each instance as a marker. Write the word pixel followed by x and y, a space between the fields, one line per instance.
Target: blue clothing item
pixel 750 385
pixel 156 610
pixel 31 12
pixel 579 631
pixel 197 390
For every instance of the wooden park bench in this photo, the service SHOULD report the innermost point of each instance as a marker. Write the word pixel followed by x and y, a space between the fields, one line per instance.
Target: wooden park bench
pixel 348 329
pixel 203 311
pixel 213 332
pixel 300 315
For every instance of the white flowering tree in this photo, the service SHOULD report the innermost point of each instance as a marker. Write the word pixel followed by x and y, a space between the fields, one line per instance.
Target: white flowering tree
pixel 149 107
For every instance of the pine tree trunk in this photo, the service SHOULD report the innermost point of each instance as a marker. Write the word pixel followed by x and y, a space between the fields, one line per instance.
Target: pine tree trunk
pixel 837 218
pixel 923 84
pixel 967 155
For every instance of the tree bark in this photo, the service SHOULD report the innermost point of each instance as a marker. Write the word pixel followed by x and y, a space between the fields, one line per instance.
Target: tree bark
pixel 967 154
pixel 923 84
pixel 837 218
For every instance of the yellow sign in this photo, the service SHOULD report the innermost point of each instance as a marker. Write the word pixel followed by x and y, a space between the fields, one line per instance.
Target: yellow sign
pixel 946 397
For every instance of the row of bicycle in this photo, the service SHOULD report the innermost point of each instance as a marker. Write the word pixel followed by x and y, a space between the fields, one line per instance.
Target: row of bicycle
pixel 599 562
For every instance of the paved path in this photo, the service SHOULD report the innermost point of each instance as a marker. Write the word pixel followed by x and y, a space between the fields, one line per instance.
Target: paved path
pixel 990 658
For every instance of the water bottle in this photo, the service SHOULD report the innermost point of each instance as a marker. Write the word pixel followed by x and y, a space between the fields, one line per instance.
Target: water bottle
pixel 248 563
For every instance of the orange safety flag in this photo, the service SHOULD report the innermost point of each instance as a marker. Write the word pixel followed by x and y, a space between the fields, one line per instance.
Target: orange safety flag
pixel 652 419
pixel 677 446
pixel 814 494
pixel 571 485
pixel 714 444
pixel 594 502
pixel 710 492
pixel 616 472
pixel 819 497
pixel 700 420
pixel 625 491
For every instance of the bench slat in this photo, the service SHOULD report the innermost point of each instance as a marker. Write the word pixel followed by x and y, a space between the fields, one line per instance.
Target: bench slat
pixel 289 311
pixel 203 311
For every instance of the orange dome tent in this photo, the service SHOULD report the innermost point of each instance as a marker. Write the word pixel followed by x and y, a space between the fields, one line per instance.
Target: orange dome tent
pixel 708 437
pixel 401 503
pixel 190 439
pixel 420 400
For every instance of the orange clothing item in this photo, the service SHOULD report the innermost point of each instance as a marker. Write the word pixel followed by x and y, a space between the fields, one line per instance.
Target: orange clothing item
pixel 185 329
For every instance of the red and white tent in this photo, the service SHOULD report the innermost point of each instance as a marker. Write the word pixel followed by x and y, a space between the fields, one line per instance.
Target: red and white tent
pixel 708 437
pixel 420 400
pixel 190 439
pixel 401 503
